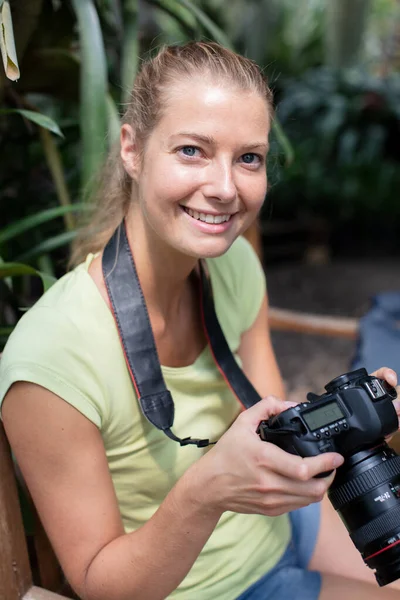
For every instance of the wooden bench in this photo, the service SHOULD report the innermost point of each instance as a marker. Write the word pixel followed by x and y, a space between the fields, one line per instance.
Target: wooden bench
pixel 20 570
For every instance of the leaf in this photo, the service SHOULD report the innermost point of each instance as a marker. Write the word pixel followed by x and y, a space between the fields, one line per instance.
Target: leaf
pixel 93 116
pixel 216 33
pixel 32 221
pixel 36 117
pixel 47 245
pixel 54 162
pixel 185 21
pixel 130 53
pixel 114 122
pixel 7 43
pixel 283 141
pixel 18 269
pixel 5 331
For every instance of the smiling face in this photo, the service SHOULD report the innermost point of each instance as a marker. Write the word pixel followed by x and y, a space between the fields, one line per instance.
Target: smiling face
pixel 202 179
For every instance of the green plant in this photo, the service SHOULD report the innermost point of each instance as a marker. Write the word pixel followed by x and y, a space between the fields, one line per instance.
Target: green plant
pixel 344 126
pixel 77 62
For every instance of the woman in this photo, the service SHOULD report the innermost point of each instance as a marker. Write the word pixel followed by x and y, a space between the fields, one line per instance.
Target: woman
pixel 130 513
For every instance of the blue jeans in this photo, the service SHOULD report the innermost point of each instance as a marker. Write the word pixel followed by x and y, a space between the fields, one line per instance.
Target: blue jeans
pixel 290 579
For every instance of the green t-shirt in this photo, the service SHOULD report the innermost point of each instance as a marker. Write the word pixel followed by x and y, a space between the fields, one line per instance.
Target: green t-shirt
pixel 68 343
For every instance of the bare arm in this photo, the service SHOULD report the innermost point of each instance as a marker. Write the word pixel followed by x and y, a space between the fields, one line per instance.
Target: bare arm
pixel 63 461
pixel 258 357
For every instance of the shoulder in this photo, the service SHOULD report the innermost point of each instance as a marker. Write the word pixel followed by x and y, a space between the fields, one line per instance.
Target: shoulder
pixel 59 343
pixel 58 316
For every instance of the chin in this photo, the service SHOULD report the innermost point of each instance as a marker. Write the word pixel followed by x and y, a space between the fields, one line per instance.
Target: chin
pixel 211 250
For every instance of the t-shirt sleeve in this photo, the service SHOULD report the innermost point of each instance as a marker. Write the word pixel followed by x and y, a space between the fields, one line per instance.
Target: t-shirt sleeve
pixel 47 349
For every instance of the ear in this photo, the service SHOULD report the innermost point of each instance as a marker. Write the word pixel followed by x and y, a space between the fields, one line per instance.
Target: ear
pixel 130 151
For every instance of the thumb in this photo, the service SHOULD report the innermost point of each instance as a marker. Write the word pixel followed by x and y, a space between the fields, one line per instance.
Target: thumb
pixel 266 408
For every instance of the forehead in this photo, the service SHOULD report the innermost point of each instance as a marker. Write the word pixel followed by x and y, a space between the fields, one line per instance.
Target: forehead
pixel 213 108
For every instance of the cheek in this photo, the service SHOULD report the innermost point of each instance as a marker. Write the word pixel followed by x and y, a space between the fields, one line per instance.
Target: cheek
pixel 171 185
pixel 255 192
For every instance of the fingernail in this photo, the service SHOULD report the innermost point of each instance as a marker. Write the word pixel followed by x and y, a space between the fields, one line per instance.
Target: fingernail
pixel 338 461
pixel 392 378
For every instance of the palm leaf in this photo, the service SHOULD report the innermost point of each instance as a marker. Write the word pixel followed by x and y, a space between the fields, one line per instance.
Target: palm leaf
pixel 7 43
pixel 216 33
pixel 93 89
pixel 114 121
pixel 36 117
pixel 23 225
pixel 130 52
pixel 52 243
pixel 18 269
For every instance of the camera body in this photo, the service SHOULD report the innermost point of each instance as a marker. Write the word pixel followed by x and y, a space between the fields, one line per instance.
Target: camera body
pixel 353 418
pixel 356 412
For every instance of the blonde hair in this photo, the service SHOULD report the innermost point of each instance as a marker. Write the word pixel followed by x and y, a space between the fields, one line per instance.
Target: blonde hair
pixel 113 189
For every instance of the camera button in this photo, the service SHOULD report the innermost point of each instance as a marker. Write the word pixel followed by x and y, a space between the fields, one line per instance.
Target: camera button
pixel 345 426
pixel 336 429
pixel 325 447
pixel 327 434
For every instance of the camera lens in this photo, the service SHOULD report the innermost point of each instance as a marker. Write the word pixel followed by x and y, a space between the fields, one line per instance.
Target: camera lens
pixel 366 494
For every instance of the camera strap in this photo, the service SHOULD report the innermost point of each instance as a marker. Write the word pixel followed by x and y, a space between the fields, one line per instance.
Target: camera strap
pixel 132 319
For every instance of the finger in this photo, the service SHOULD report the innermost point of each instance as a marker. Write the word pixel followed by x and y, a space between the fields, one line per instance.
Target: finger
pixel 387 374
pixel 314 489
pixel 277 490
pixel 264 409
pixel 296 467
pixel 278 504
pixel 396 404
pixel 287 508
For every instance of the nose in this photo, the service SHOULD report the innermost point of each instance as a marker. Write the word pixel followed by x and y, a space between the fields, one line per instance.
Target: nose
pixel 220 184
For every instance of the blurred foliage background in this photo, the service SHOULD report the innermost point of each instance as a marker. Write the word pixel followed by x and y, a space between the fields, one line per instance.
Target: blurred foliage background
pixel 334 66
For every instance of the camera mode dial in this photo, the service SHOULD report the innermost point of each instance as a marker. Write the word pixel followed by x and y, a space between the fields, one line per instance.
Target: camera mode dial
pixel 344 380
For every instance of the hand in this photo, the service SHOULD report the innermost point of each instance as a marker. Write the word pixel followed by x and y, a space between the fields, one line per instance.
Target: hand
pixel 244 474
pixel 391 377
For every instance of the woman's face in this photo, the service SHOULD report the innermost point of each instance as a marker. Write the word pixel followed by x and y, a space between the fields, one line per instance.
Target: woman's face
pixel 202 178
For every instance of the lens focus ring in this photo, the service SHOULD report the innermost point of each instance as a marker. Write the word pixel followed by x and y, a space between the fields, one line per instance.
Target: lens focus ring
pixel 363 483
pixel 385 524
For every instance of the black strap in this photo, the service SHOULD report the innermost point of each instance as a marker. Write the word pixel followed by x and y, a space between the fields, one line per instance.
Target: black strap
pixel 230 370
pixel 132 319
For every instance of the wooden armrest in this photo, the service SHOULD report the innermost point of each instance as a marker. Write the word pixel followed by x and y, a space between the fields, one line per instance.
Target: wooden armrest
pixel 36 593
pixel 16 582
pixel 290 320
pixel 15 572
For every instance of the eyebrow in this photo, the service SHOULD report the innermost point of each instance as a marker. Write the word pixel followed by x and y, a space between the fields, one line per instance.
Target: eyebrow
pixel 207 139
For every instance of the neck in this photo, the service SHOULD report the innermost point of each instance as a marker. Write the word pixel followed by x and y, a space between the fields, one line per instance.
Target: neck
pixel 163 271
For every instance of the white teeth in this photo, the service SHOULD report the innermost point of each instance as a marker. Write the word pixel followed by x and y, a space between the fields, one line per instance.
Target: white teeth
pixel 207 218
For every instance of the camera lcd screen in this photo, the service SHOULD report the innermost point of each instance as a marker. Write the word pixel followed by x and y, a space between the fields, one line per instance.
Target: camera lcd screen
pixel 323 416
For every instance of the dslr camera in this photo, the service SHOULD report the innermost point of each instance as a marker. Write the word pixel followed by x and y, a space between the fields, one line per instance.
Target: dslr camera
pixel 353 418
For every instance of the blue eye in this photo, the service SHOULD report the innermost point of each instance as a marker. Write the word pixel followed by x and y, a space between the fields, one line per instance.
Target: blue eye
pixel 250 158
pixel 189 150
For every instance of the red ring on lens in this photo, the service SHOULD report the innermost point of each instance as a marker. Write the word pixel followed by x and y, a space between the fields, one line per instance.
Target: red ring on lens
pixel 383 550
